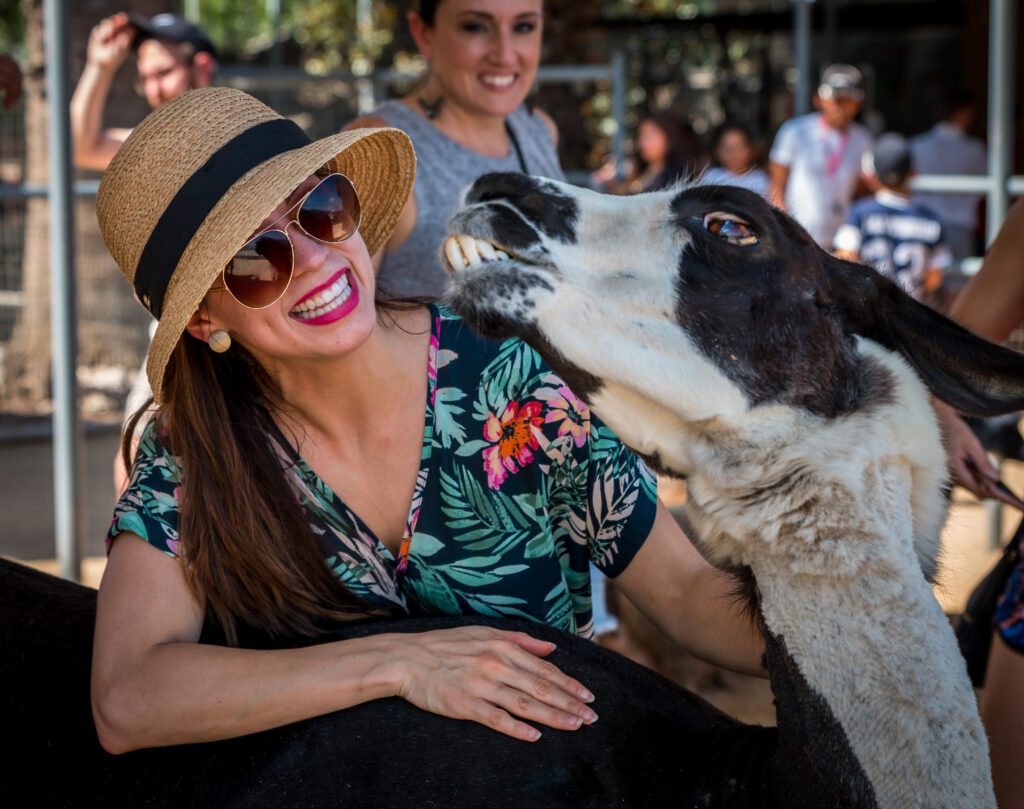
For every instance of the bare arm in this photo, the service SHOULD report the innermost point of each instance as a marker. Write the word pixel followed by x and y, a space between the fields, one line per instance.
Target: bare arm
pixel 991 305
pixel 690 601
pixel 779 175
pixel 109 45
pixel 143 655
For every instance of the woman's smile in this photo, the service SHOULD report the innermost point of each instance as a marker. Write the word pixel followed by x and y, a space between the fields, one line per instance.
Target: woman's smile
pixel 329 302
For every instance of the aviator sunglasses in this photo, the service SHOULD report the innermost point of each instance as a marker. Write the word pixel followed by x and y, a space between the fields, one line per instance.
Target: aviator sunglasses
pixel 259 273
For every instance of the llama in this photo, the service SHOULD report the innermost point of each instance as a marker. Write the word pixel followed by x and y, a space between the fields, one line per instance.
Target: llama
pixel 723 345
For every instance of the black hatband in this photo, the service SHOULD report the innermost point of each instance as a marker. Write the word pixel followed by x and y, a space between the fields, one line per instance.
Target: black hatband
pixel 197 197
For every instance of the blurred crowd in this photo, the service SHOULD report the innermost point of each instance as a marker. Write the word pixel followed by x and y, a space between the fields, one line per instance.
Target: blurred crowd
pixel 851 190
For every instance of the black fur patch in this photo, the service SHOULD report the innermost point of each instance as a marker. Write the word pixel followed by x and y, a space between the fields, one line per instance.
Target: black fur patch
pixel 655 745
pixel 816 766
pixel 762 313
pixel 541 203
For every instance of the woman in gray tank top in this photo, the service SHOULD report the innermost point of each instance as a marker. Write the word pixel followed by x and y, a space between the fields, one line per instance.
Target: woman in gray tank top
pixel 468 119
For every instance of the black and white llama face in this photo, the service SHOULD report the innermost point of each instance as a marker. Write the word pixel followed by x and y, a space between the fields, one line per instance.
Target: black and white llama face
pixel 699 303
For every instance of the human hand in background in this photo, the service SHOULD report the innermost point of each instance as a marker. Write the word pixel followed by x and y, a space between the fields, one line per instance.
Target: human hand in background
pixel 110 42
pixel 10 82
pixel 968 462
pixel 491 677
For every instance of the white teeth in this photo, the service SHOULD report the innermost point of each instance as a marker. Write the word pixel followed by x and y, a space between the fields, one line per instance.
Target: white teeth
pixel 325 300
pixel 454 254
pixel 498 81
pixel 468 245
pixel 464 251
pixel 320 311
pixel 486 250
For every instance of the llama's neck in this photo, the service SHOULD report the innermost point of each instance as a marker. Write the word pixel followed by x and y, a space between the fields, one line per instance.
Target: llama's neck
pixel 863 662
pixel 890 684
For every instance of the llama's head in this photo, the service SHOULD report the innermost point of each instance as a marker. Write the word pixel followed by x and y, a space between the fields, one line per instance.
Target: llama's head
pixel 700 304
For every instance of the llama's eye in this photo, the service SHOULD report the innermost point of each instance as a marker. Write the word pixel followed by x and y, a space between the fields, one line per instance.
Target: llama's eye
pixel 730 228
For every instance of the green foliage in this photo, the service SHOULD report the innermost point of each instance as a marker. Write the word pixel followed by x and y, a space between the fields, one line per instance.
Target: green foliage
pixel 332 37
pixel 12 27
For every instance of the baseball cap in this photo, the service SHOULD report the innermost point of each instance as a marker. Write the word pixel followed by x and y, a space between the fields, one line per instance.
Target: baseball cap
pixel 170 28
pixel 842 81
pixel 889 160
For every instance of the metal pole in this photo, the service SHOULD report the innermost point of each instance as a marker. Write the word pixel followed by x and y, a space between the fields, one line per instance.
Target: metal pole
pixel 192 10
pixel 365 90
pixel 1002 27
pixel 802 54
pixel 68 511
pixel 619 110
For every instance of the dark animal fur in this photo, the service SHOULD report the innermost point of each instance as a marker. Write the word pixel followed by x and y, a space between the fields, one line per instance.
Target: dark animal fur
pixel 655 745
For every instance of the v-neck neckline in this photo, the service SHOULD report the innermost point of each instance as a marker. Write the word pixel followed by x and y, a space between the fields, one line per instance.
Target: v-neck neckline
pixel 422 474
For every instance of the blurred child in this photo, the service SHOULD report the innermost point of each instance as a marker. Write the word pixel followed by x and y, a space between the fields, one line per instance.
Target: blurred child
pixel 734 161
pixel 900 238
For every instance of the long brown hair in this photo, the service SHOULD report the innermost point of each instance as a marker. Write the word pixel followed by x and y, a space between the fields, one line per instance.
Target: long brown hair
pixel 250 556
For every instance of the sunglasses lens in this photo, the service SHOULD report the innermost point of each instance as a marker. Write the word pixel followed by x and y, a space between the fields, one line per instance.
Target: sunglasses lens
pixel 331 211
pixel 259 273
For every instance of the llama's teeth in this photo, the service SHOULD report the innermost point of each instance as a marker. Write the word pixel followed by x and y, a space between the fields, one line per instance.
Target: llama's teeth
pixel 468 245
pixel 486 250
pixel 454 254
pixel 501 254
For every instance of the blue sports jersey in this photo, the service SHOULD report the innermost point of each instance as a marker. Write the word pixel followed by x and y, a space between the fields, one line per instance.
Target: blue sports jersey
pixel 900 238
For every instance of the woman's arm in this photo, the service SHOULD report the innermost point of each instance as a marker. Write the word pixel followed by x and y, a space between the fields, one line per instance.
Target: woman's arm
pixel 992 306
pixel 154 685
pixel 992 303
pixel 690 601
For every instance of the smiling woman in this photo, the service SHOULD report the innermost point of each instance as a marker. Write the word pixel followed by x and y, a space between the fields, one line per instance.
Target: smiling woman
pixel 319 453
pixel 467 119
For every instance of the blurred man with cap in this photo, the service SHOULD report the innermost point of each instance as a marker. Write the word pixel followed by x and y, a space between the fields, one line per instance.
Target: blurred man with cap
pixel 172 56
pixel 900 238
pixel 815 160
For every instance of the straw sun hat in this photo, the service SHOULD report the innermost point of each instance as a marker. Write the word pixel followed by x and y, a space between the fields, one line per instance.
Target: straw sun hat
pixel 197 177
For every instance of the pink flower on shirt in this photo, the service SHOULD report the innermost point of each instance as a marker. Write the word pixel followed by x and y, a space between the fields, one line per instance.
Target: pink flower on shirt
pixel 515 441
pixel 570 413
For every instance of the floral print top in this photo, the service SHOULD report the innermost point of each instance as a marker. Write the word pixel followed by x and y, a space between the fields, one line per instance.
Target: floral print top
pixel 519 488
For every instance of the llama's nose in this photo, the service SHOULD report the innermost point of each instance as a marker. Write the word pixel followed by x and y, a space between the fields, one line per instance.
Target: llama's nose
pixel 514 188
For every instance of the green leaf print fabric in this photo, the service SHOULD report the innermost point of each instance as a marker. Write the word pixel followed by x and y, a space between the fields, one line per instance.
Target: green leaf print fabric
pixel 519 488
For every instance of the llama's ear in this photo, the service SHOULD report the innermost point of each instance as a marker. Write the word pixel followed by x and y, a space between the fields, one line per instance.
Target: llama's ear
pixel 973 375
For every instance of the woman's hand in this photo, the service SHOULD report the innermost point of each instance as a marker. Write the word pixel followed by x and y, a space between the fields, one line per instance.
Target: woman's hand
pixel 968 462
pixel 491 677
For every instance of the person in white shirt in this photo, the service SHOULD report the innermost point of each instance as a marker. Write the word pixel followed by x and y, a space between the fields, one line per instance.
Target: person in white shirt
pixel 734 163
pixel 815 160
pixel 947 149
